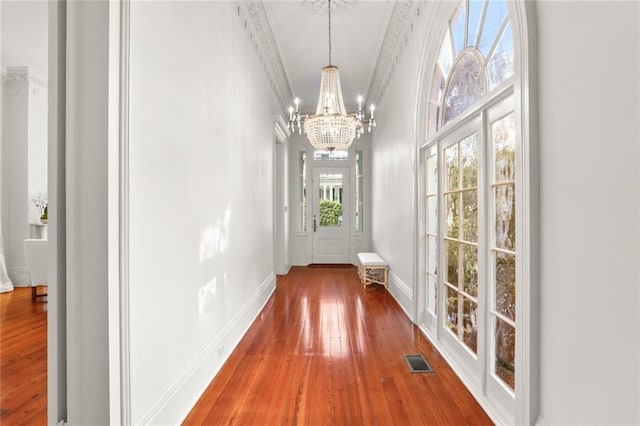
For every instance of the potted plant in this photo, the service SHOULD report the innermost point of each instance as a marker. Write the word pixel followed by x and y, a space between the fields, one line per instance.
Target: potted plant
pixel 42 205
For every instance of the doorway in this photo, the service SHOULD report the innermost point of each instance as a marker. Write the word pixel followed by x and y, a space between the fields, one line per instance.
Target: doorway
pixel 330 215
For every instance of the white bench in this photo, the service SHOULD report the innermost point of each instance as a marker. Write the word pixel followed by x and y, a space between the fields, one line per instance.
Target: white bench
pixel 372 269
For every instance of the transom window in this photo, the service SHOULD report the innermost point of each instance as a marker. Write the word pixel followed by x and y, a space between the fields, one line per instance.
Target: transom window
pixel 476 57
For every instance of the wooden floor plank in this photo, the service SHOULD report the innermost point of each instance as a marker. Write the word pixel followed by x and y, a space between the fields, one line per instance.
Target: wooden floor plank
pixel 23 358
pixel 326 351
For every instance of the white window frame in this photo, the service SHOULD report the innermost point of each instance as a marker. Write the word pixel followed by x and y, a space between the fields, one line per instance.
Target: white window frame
pixel 522 86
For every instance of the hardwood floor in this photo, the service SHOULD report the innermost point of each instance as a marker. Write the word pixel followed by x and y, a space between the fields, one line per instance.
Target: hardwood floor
pixel 23 359
pixel 326 351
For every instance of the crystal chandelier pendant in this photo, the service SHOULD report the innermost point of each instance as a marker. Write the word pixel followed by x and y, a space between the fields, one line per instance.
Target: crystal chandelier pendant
pixel 331 128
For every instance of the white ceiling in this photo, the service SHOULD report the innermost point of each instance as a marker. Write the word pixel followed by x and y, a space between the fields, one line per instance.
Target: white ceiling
pixel 300 33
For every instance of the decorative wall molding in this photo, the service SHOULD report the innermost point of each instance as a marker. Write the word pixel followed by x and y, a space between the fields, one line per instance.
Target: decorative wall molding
pixel 20 80
pixel 403 19
pixel 254 19
pixel 23 75
pixel 256 24
pixel 281 129
pixel 321 6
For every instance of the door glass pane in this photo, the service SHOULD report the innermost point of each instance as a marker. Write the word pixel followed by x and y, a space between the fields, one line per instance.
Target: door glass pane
pixel 432 175
pixel 330 195
pixel 470 215
pixel 506 216
pixel 469 158
pixel 505 350
pixel 432 294
pixel 451 203
pixel 470 324
pixel 330 155
pixel 452 310
pixel 302 184
pixel 470 266
pixel 506 285
pixel 359 192
pixel 503 133
pixel 432 215
pixel 432 255
pixel 451 274
pixel 451 159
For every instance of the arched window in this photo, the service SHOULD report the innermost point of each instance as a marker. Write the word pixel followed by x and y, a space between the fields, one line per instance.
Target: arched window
pixel 476 57
pixel 470 184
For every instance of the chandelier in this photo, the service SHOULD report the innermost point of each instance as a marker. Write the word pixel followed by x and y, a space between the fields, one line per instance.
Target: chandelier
pixel 330 128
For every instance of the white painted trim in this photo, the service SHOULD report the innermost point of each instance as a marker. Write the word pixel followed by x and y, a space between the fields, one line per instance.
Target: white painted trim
pixel 176 400
pixel 402 293
pixel 468 382
pixel 281 129
pixel 404 17
pixel 24 75
pixel 527 317
pixel 118 217
pixel 56 291
pixel 522 16
pixel 255 22
pixel 19 276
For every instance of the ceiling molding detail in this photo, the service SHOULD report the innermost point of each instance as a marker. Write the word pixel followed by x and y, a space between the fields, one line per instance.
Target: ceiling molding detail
pixel 403 18
pixel 322 6
pixel 254 19
pixel 22 75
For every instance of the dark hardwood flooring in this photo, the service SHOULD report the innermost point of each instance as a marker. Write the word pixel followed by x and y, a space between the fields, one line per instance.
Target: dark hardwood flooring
pixel 326 351
pixel 23 359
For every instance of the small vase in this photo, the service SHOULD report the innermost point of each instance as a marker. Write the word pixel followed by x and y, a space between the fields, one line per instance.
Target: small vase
pixel 45 221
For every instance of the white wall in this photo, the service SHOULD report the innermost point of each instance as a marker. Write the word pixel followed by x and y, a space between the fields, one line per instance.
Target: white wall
pixel 394 167
pixel 24 163
pixel 23 34
pixel 201 173
pixel 23 53
pixel 589 205
pixel 590 198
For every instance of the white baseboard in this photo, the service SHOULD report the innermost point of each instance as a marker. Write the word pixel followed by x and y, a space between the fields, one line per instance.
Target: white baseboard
pixel 176 401
pixel 402 293
pixel 19 276
pixel 486 405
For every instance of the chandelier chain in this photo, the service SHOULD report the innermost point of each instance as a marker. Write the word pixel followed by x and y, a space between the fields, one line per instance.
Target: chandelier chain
pixel 329 32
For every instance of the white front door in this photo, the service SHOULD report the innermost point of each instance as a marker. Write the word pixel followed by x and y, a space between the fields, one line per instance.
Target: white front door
pixel 330 215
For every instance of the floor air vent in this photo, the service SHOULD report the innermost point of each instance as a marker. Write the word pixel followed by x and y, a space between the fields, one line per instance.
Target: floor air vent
pixel 417 364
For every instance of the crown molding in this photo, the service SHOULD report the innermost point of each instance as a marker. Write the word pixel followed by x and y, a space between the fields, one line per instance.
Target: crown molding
pixel 254 19
pixel 403 18
pixel 23 75
pixel 322 6
pixel 18 81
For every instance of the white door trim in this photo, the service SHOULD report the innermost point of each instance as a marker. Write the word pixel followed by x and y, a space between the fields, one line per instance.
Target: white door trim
pixel 345 230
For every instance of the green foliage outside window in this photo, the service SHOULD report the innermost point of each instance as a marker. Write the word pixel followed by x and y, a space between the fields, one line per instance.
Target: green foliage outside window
pixel 330 213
